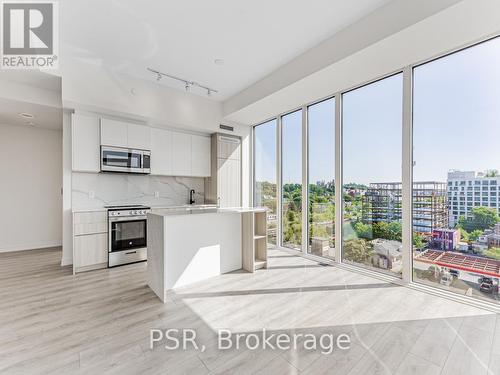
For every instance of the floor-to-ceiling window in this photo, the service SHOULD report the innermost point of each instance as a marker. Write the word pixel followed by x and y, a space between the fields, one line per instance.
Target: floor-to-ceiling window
pixel 455 215
pixel 456 133
pixel 321 173
pixel 291 172
pixel 265 178
pixel 372 149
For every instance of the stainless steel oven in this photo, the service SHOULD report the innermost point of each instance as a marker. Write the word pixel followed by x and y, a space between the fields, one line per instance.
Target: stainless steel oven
pixel 125 160
pixel 127 234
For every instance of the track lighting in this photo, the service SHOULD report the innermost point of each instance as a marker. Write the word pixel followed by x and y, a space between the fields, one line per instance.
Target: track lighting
pixel 187 84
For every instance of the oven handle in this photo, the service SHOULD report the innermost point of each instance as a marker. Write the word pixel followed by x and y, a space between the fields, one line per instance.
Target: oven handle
pixel 127 218
pixel 131 252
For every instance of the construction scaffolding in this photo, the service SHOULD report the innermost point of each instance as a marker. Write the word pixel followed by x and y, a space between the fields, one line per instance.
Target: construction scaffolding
pixel 382 203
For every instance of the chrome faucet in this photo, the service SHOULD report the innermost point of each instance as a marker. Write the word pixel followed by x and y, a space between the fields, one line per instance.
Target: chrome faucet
pixel 191 196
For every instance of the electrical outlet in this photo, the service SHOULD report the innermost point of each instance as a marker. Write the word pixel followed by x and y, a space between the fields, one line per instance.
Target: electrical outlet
pixel 157 194
pixel 91 194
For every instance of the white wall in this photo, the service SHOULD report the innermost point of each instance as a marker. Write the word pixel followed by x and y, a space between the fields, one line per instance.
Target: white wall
pixel 31 201
pixel 67 215
pixel 90 87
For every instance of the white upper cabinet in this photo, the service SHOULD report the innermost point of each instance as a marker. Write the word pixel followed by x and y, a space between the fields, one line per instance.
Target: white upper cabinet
pixel 124 134
pixel 200 163
pixel 139 137
pixel 181 154
pixel 114 133
pixel 85 143
pixel 161 152
pixel 172 153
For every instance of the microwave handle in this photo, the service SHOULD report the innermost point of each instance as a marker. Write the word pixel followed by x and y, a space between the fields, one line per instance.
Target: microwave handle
pixel 146 161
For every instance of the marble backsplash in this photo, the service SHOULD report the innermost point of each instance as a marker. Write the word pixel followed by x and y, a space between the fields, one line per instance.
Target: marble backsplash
pixel 95 190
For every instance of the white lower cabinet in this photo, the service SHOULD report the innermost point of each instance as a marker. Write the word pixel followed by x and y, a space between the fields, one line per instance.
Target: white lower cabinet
pixel 91 251
pixel 90 240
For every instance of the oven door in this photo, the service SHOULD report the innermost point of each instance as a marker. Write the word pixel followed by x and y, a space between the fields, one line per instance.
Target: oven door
pixel 115 159
pixel 127 233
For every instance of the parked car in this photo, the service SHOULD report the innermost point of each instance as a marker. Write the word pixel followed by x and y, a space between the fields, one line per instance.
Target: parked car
pixel 486 285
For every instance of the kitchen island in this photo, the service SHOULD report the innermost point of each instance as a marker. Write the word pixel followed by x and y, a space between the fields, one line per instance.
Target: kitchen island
pixel 186 246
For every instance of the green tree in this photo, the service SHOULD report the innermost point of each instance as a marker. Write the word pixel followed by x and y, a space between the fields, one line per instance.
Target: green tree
pixel 482 218
pixel 492 173
pixel 363 230
pixel 394 231
pixel 464 235
pixel 474 235
pixel 357 250
pixel 418 241
pixel 389 231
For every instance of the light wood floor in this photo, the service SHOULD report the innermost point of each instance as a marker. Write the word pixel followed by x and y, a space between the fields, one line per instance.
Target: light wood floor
pixel 99 322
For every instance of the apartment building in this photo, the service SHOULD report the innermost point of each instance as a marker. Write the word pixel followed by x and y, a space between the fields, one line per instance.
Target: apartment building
pixel 469 189
pixel 382 202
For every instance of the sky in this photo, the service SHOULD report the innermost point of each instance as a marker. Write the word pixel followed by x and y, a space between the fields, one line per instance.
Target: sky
pixel 456 125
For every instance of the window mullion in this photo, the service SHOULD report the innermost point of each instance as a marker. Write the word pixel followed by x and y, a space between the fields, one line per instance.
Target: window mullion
pixel 407 175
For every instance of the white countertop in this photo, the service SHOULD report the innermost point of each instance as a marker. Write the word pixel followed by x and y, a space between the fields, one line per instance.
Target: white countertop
pixel 95 209
pixel 207 210
pixel 185 206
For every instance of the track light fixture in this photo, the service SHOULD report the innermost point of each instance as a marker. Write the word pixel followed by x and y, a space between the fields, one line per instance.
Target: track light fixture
pixel 187 84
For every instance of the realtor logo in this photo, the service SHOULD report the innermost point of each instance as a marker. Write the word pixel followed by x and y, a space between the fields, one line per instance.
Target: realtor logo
pixel 29 34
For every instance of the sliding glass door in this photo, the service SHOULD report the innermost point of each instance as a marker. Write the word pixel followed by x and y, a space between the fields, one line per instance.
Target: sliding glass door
pixel 372 149
pixel 321 178
pixel 265 174
pixel 291 175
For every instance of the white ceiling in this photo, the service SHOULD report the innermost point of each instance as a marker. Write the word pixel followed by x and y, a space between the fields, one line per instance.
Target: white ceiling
pixel 183 38
pixel 45 117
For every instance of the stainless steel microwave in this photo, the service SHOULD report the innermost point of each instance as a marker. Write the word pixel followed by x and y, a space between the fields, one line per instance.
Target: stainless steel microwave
pixel 125 160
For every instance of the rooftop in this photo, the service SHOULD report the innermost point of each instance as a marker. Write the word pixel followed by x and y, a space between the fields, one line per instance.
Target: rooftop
pixel 458 261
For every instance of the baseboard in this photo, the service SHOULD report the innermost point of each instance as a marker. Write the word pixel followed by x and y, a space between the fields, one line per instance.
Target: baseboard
pixel 68 261
pixel 32 246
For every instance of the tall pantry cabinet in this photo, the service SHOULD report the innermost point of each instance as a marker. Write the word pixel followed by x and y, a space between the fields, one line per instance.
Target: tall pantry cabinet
pixel 223 187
